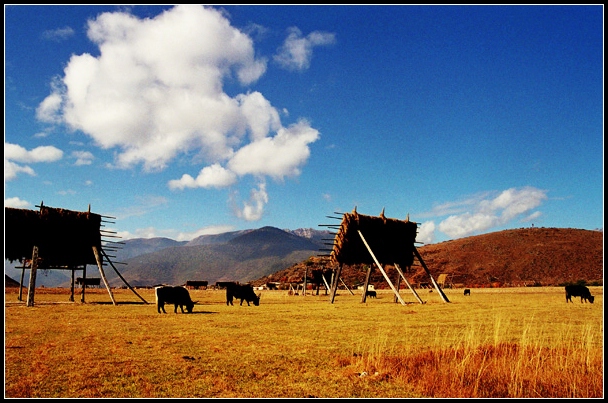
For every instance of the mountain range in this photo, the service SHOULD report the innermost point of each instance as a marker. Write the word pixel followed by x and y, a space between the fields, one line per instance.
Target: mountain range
pixel 524 256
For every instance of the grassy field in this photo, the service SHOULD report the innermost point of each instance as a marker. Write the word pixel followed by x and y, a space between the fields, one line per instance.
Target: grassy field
pixel 511 342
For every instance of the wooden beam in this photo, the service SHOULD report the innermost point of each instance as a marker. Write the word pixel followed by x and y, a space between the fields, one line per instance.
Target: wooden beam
pixel 408 283
pixel 32 288
pixel 103 275
pixel 334 286
pixel 388 280
pixel 344 284
pixel 121 277
pixel 366 284
pixel 426 269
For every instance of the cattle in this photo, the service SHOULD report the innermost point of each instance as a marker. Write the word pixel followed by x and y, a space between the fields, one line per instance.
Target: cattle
pixel 244 292
pixel 178 295
pixel 467 292
pixel 370 293
pixel 578 291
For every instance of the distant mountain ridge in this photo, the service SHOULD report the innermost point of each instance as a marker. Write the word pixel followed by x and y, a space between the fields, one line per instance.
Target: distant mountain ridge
pixel 527 255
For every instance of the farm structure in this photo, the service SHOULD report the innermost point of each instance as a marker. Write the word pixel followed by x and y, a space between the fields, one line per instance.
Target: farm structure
pixel 197 284
pixel 363 239
pixel 59 239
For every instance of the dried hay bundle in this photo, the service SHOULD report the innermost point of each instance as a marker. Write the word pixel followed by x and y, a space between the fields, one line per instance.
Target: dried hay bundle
pixel 391 240
pixel 64 237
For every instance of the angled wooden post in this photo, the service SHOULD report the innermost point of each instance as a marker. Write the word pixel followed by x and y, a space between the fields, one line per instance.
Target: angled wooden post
pixel 334 286
pixel 426 269
pixel 408 283
pixel 103 275
pixel 344 284
pixel 388 280
pixel 121 277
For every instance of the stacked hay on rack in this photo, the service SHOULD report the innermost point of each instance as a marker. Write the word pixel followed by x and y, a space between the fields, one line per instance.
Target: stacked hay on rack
pixel 63 237
pixel 391 240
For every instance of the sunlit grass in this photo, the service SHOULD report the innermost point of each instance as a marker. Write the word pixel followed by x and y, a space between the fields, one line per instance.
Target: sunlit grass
pixel 495 343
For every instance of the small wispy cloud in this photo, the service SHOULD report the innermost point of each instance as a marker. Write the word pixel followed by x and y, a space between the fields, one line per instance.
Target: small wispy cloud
pixel 58 35
pixel 296 51
pixel 145 205
pixel 82 157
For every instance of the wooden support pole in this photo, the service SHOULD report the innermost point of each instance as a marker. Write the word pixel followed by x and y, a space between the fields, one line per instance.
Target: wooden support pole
pixel 408 283
pixel 334 286
pixel 72 286
pixel 20 297
pixel 32 287
pixel 397 283
pixel 426 269
pixel 103 275
pixel 327 287
pixel 305 277
pixel 388 280
pixel 83 285
pixel 344 284
pixel 366 283
pixel 121 277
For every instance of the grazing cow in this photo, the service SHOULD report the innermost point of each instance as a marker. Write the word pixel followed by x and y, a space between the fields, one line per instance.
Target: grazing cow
pixel 467 292
pixel 370 293
pixel 244 292
pixel 578 291
pixel 167 294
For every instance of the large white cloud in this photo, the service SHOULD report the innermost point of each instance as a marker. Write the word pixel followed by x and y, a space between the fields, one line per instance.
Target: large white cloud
pixel 155 91
pixel 482 213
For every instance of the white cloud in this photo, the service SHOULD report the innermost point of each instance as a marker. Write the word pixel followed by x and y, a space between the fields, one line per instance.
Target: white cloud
pixel 83 157
pixel 492 211
pixel 426 232
pixel 211 176
pixel 278 156
pixel 152 232
pixel 156 92
pixel 59 34
pixel 253 209
pixel 16 202
pixel 296 51
pixel 14 154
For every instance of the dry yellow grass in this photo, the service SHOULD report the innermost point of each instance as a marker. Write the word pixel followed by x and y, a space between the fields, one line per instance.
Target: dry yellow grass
pixel 516 342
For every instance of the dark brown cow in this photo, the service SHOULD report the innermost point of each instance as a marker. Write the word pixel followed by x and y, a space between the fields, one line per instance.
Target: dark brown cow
pixel 244 292
pixel 167 294
pixel 579 291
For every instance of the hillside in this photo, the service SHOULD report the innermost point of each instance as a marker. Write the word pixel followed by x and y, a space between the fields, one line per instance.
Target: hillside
pixel 518 257
pixel 237 256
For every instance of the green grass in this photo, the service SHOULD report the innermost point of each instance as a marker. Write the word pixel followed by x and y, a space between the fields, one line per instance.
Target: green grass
pixel 515 342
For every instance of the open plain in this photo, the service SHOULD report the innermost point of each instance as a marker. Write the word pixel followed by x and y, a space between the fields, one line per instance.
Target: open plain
pixel 497 342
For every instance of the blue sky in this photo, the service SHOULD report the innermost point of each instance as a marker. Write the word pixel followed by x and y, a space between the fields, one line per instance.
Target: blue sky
pixel 190 120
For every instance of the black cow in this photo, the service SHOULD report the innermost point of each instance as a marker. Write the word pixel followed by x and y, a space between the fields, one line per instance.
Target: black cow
pixel 370 293
pixel 167 294
pixel 467 291
pixel 578 291
pixel 244 292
